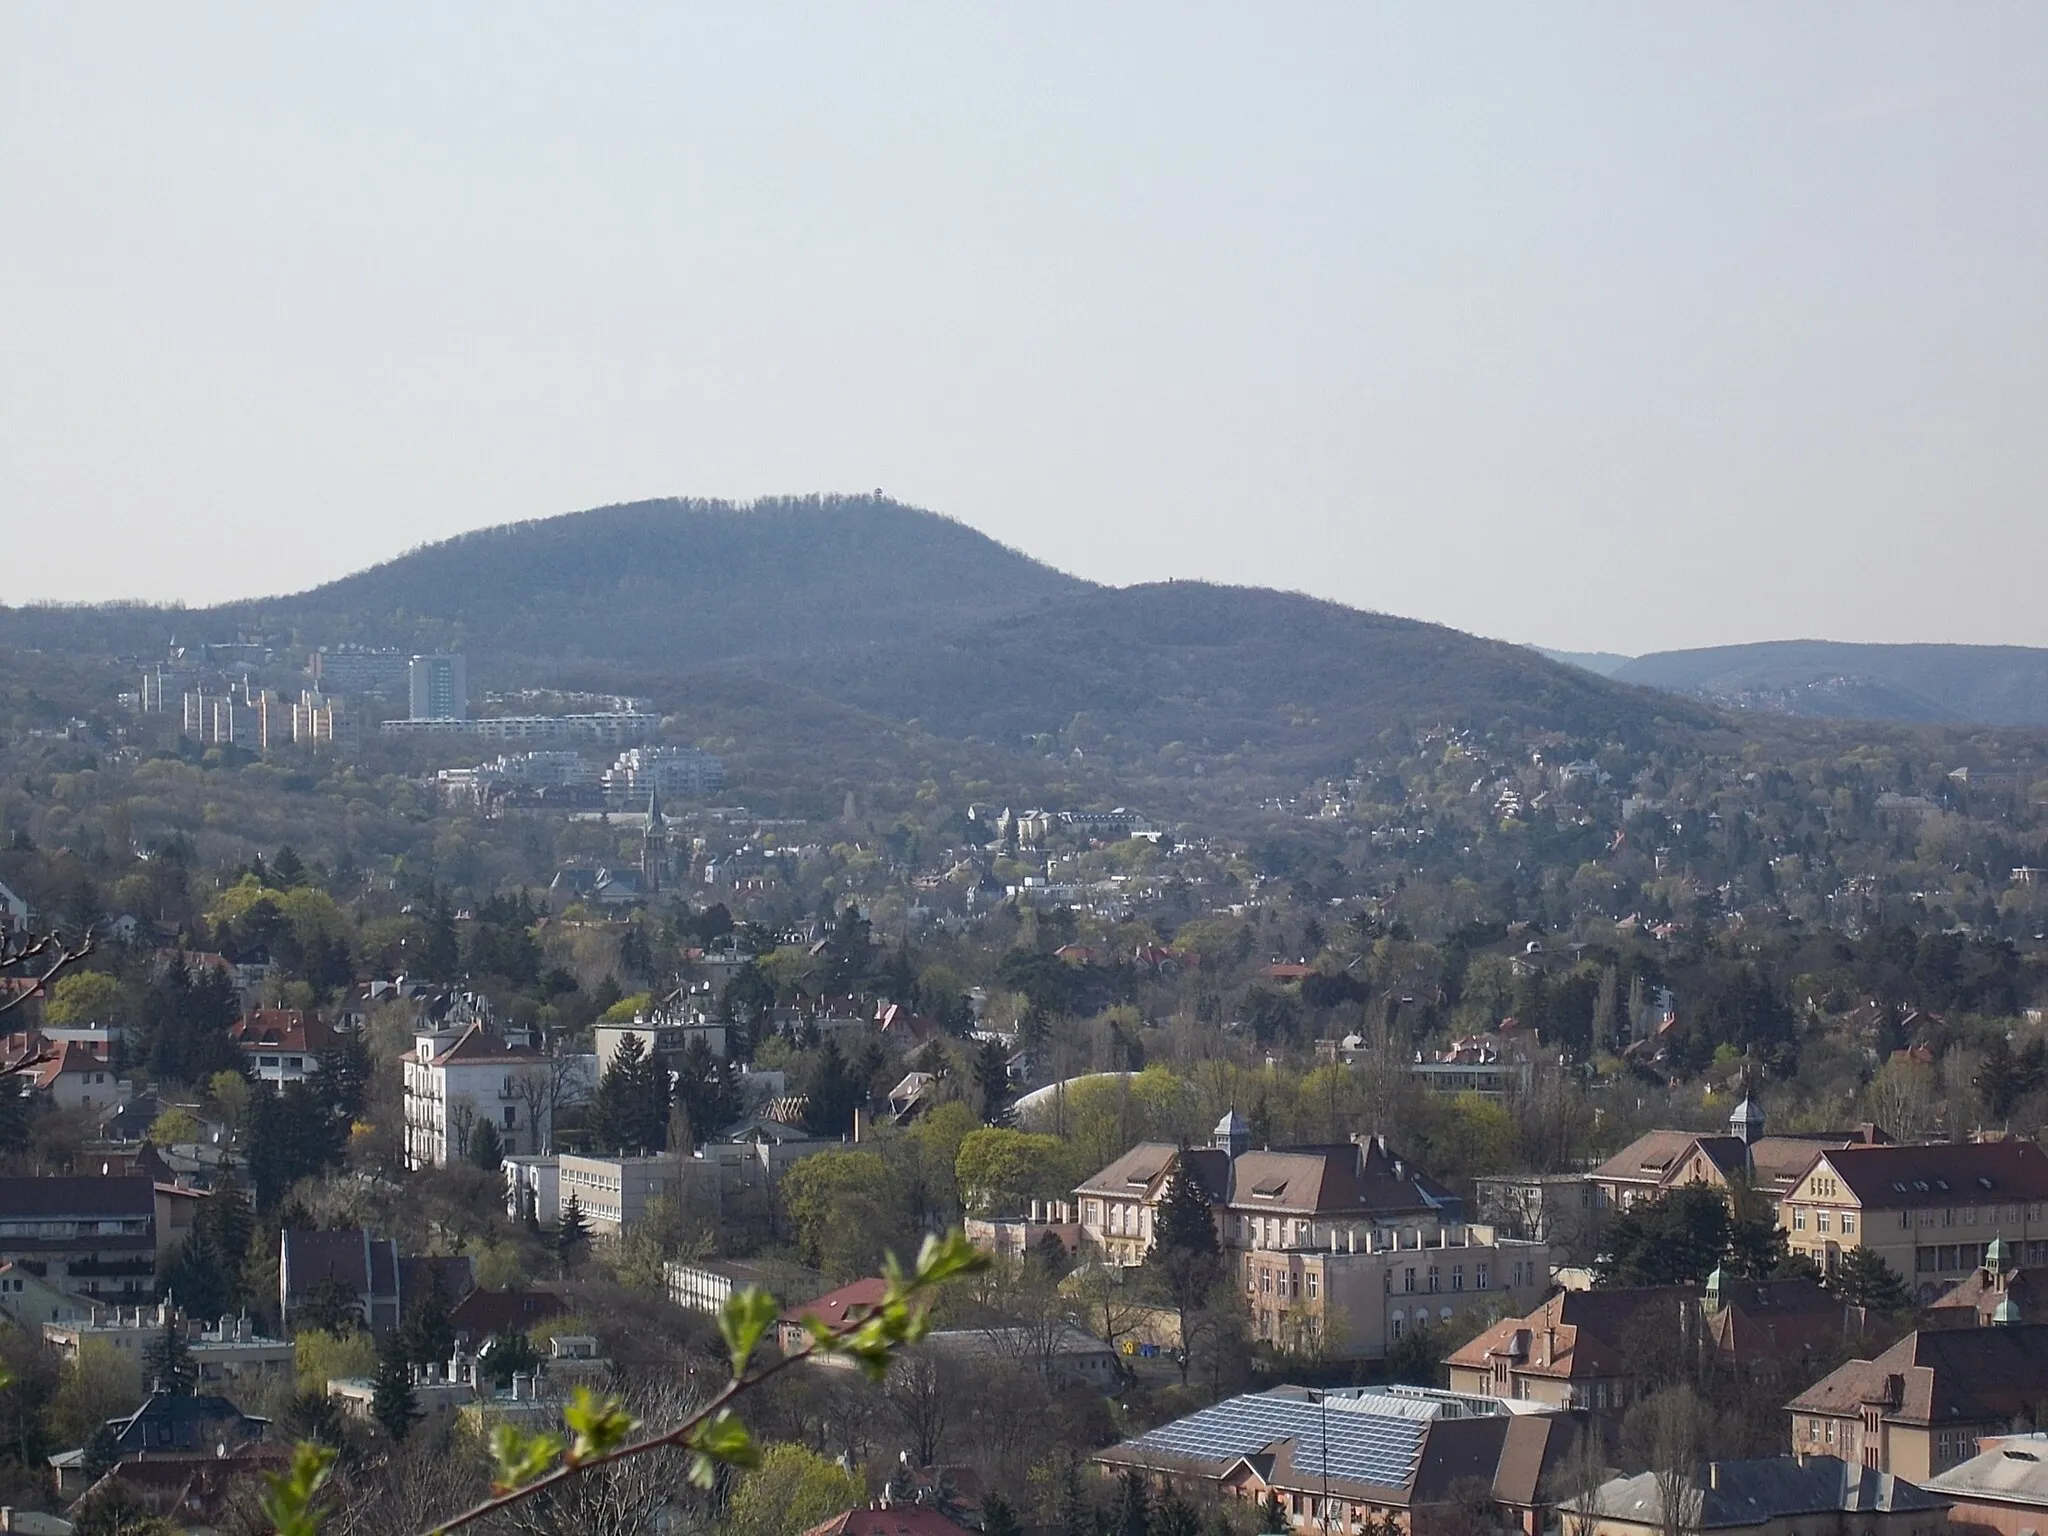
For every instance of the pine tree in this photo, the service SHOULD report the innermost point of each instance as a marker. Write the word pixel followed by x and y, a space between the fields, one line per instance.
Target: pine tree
pixel 486 1147
pixel 102 1454
pixel 998 1518
pixel 1133 1516
pixel 992 1082
pixel 1175 1517
pixel 572 1234
pixel 833 1094
pixel 629 1112
pixel 393 1404
pixel 167 1363
pixel 1863 1279
pixel 427 1337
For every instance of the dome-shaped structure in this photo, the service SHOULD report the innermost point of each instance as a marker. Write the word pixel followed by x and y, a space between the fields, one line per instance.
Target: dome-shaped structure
pixel 1233 1135
pixel 2006 1313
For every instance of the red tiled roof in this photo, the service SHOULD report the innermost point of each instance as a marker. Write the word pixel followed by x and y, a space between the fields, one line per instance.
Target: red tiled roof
pixel 836 1308
pixel 896 1520
pixel 282 1029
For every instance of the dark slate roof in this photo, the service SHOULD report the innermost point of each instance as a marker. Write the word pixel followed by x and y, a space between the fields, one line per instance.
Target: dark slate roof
pixel 1942 1173
pixel 89 1196
pixel 194 1422
pixel 482 1314
pixel 1752 1493
pixel 368 1265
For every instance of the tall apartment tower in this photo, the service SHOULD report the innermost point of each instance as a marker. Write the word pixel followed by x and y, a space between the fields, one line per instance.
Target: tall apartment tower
pixel 440 688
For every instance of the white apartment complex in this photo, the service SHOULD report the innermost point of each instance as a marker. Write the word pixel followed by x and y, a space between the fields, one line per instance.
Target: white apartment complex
pixel 453 1079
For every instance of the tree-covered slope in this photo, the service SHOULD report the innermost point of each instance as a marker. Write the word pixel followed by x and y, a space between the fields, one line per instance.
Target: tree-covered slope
pixel 1976 684
pixel 669 585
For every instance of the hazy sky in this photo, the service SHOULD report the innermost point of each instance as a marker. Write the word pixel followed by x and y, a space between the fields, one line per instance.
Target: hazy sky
pixel 1621 326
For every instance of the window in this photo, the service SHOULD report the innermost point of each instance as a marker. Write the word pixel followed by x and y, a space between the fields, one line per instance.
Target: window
pixel 1398 1323
pixel 1436 1282
pixel 1408 1279
pixel 1820 1221
pixel 1905 1218
pixel 511 1116
pixel 1479 1277
pixel 1948 1215
pixel 1265 1282
pixel 1457 1277
pixel 1848 1223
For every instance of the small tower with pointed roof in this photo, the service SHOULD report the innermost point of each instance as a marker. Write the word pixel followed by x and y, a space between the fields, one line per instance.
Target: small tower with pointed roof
pixel 1746 1125
pixel 1717 1289
pixel 1998 1260
pixel 653 845
pixel 1233 1135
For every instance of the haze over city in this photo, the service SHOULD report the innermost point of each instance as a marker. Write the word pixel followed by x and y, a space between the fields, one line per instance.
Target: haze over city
pixel 1607 328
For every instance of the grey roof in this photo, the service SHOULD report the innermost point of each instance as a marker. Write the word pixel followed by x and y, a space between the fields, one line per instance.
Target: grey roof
pixel 83 1196
pixel 1746 1493
pixel 2010 1470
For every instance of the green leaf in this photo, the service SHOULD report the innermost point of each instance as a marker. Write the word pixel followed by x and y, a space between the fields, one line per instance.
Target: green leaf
pixel 723 1438
pixel 520 1457
pixel 746 1317
pixel 290 1498
pixel 599 1425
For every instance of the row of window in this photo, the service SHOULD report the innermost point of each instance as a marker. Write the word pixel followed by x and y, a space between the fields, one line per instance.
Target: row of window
pixel 1825 1220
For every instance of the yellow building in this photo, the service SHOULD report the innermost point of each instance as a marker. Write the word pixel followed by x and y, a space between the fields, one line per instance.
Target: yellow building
pixel 1929 1211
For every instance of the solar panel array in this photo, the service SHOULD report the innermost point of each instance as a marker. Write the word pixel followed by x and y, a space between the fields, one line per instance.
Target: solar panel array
pixel 1364 1446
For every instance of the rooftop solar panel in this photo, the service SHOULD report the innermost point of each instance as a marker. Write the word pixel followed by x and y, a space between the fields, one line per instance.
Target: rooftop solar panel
pixel 1372 1438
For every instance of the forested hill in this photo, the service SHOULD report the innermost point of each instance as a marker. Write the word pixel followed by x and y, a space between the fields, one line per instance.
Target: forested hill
pixel 671 585
pixel 1978 684
pixel 1225 669
pixel 901 615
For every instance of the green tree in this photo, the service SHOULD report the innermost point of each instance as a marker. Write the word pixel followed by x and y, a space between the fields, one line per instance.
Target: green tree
pixel 1000 1170
pixel 572 1235
pixel 1133 1513
pixel 486 1147
pixel 427 1336
pixel 992 1082
pixel 85 997
pixel 846 1209
pixel 707 1088
pixel 793 1489
pixel 167 1363
pixel 1679 1237
pixel 1862 1278
pixel 393 1404
pixel 629 1112
pixel 999 1517
pixel 832 1094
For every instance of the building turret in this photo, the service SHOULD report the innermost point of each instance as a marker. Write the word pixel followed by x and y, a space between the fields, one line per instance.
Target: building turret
pixel 1233 1135
pixel 1717 1289
pixel 1747 1123
pixel 1998 1260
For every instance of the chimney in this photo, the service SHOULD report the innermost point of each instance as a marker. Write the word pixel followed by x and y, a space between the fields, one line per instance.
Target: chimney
pixel 1037 1212
pixel 1714 1474
pixel 1354 1239
pixel 1549 1345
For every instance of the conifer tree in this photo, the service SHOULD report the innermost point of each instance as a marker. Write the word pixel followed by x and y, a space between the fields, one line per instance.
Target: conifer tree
pixel 394 1404
pixel 572 1234
pixel 167 1363
pixel 486 1147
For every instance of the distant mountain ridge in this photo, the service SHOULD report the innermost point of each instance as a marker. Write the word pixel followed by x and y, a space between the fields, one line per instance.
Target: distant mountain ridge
pixel 899 615
pixel 1915 684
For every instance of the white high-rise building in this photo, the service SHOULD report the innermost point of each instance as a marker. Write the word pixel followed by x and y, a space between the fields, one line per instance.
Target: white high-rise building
pixel 440 688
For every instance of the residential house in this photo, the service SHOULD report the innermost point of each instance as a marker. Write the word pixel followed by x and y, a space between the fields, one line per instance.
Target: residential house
pixel 1585 1349
pixel 664 1035
pixel 1820 1496
pixel 2000 1491
pixel 1997 1291
pixel 282 1045
pixel 1762 1165
pixel 1341 1248
pixel 94 1238
pixel 453 1080
pixel 384 1286
pixel 835 1309
pixel 229 1350
pixel 483 1315
pixel 28 1301
pixel 1922 1406
pixel 203 1490
pixel 890 1518
pixel 167 1422
pixel 70 1076
pixel 1359 1459
pixel 1929 1211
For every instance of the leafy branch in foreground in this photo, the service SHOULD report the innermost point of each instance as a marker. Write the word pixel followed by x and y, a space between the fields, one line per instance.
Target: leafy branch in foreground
pixel 47 954
pixel 601 1432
